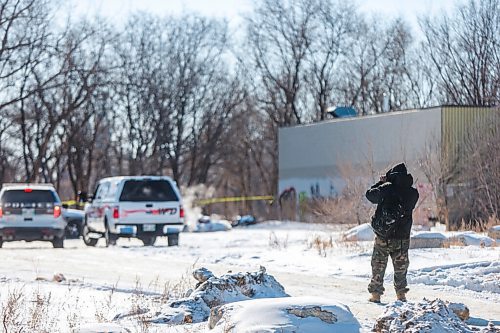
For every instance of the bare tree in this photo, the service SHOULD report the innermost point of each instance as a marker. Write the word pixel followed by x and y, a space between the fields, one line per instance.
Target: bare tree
pixel 465 54
pixel 196 75
pixel 279 38
pixel 374 69
pixel 176 95
pixel 334 26
pixel 62 88
pixel 207 144
pixel 23 34
pixel 249 157
pixel 142 94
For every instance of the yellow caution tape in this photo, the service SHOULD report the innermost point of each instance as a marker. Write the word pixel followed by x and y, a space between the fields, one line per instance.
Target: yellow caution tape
pixel 73 203
pixel 234 199
pixel 202 201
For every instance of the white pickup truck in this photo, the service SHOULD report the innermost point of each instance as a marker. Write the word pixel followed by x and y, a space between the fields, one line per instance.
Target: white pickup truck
pixel 143 207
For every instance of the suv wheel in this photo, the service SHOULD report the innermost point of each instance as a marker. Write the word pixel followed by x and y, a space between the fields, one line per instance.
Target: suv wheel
pixel 58 242
pixel 173 240
pixel 86 236
pixel 109 237
pixel 148 240
pixel 1 242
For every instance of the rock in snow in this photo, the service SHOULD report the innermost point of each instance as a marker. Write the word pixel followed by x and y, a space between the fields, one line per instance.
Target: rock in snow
pixel 426 316
pixel 287 314
pixel 201 275
pixel 461 310
pixel 250 302
pixel 216 291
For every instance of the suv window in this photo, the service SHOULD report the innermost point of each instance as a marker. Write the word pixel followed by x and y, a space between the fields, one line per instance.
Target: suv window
pixel 148 190
pixel 32 199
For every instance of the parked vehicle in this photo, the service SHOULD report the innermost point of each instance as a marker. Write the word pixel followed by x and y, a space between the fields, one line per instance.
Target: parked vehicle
pixel 74 218
pixel 31 212
pixel 244 220
pixel 142 207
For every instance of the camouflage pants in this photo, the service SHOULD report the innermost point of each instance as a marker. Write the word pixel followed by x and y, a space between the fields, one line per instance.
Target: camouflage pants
pixel 398 250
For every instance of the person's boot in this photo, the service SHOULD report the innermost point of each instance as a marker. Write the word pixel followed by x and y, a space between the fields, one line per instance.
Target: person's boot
pixel 375 298
pixel 401 296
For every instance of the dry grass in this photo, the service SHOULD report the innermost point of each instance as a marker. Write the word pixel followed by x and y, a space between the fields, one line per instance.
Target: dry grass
pixel 11 311
pixel 177 289
pixel 452 242
pixel 350 207
pixel 276 242
pixel 326 244
pixel 23 312
pixel 321 244
pixel 30 309
pixel 479 225
pixel 339 210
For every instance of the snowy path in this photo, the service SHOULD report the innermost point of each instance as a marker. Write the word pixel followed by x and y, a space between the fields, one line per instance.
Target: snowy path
pixel 340 273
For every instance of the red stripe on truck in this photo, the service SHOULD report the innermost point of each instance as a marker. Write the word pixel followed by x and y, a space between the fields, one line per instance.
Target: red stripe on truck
pixel 160 211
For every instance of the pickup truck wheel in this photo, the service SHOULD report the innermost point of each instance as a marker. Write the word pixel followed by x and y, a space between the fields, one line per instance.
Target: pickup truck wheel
pixel 173 240
pixel 86 237
pixel 109 237
pixel 58 242
pixel 148 240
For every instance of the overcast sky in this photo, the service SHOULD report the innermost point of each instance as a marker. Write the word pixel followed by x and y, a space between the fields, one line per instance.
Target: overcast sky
pixel 232 10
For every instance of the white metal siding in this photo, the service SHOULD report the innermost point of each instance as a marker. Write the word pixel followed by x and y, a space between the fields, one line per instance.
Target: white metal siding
pixel 313 155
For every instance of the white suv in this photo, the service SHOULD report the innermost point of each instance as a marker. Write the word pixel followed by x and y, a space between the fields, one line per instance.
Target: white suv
pixel 31 212
pixel 144 207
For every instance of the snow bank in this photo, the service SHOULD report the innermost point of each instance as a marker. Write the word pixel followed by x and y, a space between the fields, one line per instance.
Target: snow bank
pixel 101 327
pixel 438 239
pixel 289 314
pixel 472 238
pixel 363 232
pixel 426 316
pixel 293 225
pixel 209 225
pixel 421 240
pixel 215 291
pixel 429 235
pixel 494 232
pixel 480 276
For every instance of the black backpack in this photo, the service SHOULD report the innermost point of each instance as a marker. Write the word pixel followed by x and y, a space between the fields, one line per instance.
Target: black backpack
pixel 384 225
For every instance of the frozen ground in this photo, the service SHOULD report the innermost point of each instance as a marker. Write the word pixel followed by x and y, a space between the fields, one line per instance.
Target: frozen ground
pixel 119 284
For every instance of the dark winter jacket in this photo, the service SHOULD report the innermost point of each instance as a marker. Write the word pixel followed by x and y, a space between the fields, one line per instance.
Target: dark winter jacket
pixel 397 187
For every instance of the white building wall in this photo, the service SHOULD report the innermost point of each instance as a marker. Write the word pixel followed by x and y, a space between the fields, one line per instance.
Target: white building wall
pixel 315 158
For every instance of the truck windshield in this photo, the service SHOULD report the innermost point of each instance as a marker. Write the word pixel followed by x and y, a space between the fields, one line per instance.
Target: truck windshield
pixel 148 190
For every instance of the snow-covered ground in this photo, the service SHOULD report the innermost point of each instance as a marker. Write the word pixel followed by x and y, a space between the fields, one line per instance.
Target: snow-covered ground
pixel 124 285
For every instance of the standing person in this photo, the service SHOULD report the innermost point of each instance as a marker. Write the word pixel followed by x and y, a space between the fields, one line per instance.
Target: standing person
pixel 288 203
pixel 393 193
